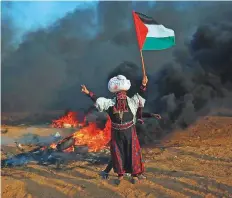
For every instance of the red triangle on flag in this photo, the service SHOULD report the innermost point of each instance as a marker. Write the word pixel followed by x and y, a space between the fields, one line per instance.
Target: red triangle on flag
pixel 141 30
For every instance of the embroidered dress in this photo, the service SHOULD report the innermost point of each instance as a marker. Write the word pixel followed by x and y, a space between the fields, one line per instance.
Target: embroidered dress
pixel 139 117
pixel 125 148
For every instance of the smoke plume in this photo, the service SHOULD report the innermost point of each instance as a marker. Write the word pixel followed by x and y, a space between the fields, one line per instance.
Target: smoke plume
pixel 47 68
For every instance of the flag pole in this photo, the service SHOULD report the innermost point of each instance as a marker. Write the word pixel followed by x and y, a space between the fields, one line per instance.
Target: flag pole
pixel 143 66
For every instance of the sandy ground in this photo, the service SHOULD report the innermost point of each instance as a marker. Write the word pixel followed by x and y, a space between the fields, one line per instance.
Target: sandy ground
pixel 196 162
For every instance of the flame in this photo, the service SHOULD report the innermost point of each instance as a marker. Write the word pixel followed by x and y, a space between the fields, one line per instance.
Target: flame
pixel 53 145
pixel 69 119
pixel 95 138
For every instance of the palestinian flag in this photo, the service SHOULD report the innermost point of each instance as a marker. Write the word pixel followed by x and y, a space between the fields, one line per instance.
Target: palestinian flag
pixel 152 35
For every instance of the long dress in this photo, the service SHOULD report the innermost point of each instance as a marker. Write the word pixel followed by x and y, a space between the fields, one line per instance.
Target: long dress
pixel 125 148
pixel 139 117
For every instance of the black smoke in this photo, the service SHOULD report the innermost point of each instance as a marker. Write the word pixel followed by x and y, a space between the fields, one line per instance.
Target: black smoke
pixel 201 81
pixel 7 31
pixel 47 68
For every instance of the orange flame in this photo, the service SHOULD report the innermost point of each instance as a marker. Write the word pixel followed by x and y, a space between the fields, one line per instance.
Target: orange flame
pixel 69 119
pixel 95 138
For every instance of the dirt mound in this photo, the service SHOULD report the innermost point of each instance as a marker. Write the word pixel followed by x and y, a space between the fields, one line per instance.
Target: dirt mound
pixel 211 131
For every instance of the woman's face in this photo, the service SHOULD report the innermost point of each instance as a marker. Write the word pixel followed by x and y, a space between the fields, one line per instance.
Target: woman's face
pixel 115 94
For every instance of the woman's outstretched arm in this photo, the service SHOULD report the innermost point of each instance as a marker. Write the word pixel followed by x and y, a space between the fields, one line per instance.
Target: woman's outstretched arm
pixel 88 93
pixel 150 115
pixel 92 96
pixel 140 115
pixel 146 115
pixel 101 103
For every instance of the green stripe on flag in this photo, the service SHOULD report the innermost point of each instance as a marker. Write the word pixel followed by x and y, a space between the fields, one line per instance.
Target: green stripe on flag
pixel 152 43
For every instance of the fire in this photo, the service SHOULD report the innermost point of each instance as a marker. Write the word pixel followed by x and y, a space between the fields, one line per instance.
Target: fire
pixel 90 135
pixel 70 119
pixel 95 138
pixel 53 146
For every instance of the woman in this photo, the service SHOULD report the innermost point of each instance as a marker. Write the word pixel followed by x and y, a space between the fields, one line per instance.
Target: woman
pixel 105 173
pixel 125 147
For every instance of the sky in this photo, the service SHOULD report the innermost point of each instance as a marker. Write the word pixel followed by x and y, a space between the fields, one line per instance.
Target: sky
pixel 31 15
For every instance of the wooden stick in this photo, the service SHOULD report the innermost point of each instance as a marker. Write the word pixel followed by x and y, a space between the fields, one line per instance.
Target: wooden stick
pixel 143 66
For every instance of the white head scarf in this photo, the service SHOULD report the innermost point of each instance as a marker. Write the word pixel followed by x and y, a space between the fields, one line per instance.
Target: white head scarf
pixel 119 83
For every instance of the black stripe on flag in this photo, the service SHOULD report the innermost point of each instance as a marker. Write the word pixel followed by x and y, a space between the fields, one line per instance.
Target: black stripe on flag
pixel 146 19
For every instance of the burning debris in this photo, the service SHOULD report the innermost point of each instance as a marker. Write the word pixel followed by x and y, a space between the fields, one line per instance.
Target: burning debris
pixel 96 139
pixel 88 143
pixel 84 144
pixel 69 120
pixel 49 156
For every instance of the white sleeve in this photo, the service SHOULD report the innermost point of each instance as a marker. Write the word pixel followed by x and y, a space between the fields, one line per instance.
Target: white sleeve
pixel 103 104
pixel 138 100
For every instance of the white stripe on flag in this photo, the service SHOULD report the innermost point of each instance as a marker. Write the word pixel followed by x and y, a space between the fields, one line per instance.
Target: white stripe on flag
pixel 159 31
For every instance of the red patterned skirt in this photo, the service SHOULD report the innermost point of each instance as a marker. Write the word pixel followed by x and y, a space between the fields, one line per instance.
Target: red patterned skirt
pixel 126 152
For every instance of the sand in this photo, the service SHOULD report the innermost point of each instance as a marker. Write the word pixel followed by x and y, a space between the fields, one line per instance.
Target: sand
pixel 196 162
